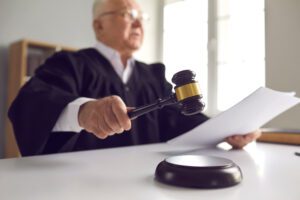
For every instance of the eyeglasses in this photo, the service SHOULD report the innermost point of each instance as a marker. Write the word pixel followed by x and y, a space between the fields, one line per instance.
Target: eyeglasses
pixel 131 15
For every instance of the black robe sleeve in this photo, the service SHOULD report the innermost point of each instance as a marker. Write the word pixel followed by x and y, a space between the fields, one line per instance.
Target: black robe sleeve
pixel 38 105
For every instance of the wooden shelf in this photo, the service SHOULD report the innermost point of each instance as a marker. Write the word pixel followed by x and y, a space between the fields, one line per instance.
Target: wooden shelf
pixel 24 57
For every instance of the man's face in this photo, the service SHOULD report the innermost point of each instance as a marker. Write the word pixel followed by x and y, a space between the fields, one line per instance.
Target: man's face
pixel 116 28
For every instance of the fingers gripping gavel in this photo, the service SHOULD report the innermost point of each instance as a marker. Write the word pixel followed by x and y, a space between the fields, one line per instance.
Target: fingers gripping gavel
pixel 109 115
pixel 104 117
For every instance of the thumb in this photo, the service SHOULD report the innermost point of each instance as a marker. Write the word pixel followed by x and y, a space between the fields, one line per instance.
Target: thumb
pixel 130 109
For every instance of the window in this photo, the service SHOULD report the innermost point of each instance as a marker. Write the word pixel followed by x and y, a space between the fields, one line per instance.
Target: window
pixel 185 39
pixel 233 65
pixel 241 50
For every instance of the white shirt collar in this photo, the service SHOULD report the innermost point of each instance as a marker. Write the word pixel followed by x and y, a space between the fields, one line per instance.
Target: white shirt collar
pixel 115 59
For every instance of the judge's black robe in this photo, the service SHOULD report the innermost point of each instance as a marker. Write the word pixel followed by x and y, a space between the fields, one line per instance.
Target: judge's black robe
pixel 67 76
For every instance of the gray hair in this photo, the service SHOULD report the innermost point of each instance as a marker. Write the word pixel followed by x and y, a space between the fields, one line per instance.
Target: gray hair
pixel 97 7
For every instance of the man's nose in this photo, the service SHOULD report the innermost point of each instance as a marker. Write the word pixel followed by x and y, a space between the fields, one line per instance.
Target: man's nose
pixel 137 23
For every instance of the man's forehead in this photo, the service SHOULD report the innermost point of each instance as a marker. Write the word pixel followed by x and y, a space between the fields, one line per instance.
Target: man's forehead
pixel 121 4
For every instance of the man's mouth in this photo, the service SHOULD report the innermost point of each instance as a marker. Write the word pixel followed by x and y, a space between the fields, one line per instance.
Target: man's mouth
pixel 136 34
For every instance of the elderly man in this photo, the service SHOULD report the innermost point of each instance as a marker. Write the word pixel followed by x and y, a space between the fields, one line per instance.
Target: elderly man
pixel 79 101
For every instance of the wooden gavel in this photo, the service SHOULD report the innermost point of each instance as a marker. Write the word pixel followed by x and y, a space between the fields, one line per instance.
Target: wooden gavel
pixel 187 95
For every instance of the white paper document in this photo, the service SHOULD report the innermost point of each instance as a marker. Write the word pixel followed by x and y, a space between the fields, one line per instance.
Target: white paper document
pixel 246 116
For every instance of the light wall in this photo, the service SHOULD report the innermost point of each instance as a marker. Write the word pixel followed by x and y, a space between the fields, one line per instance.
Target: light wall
pixel 283 55
pixel 66 22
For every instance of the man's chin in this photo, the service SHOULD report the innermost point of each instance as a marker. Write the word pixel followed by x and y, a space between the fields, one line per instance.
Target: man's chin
pixel 135 47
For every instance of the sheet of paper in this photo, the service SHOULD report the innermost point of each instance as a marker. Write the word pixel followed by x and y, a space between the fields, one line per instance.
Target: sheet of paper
pixel 246 116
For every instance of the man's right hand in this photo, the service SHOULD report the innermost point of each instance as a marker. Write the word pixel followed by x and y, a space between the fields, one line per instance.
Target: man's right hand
pixel 104 117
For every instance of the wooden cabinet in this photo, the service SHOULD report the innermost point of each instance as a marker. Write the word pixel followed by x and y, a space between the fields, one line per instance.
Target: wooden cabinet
pixel 24 57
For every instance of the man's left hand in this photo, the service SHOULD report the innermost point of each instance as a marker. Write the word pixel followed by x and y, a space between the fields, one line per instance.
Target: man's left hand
pixel 239 141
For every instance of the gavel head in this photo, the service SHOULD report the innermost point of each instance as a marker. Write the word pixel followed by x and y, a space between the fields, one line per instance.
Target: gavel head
pixel 188 92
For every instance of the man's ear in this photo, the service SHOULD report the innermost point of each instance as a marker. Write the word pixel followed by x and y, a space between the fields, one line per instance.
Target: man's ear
pixel 97 25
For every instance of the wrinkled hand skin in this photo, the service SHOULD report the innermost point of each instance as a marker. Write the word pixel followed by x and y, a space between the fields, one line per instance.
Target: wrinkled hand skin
pixel 104 117
pixel 240 141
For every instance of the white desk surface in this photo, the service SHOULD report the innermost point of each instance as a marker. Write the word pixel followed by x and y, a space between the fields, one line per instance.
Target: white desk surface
pixel 270 171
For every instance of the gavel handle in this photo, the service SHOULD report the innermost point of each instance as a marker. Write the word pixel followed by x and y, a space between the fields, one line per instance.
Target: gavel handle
pixel 148 108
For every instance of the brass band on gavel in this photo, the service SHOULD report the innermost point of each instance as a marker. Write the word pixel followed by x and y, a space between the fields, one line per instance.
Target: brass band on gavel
pixel 186 91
